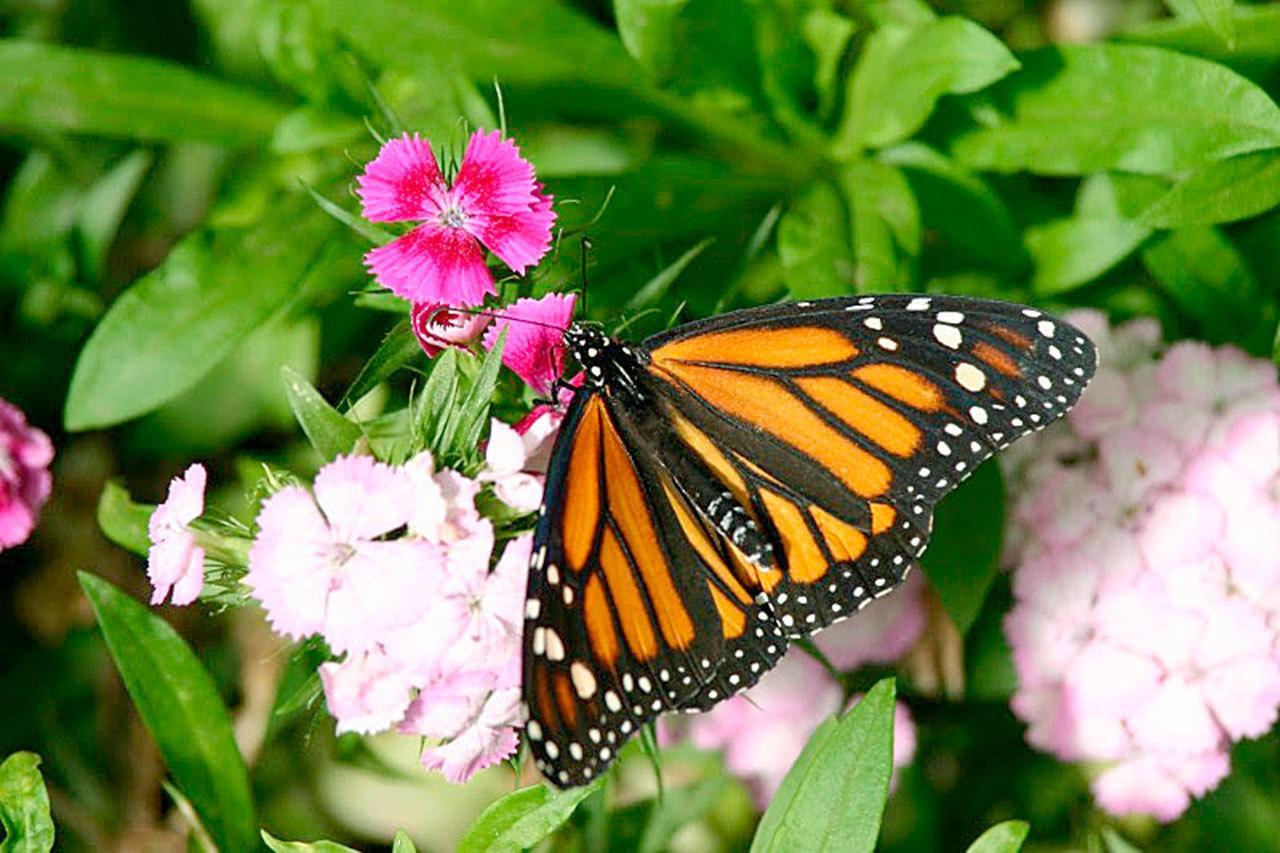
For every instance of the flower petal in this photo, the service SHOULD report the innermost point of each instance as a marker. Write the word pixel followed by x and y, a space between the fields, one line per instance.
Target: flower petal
pixel 494 180
pixel 363 498
pixel 534 349
pixel 433 263
pixel 365 693
pixel 519 239
pixel 403 183
pixel 436 326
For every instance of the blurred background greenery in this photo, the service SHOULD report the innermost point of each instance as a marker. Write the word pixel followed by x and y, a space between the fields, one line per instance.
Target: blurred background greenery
pixel 164 251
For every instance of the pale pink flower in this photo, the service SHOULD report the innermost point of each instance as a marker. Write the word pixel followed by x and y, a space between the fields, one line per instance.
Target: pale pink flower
pixel 175 562
pixel 1147 582
pixel 487 738
pixel 366 693
pixel 539 428
pixel 1159 786
pixel 438 326
pixel 534 347
pixel 506 459
pixel 494 203
pixel 308 548
pixel 882 632
pixel 25 481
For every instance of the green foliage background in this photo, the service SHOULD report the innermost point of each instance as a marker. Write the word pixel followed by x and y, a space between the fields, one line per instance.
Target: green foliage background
pixel 177 228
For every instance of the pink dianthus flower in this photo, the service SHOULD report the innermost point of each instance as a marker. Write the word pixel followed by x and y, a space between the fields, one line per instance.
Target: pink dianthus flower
pixel 437 326
pixel 175 561
pixel 495 202
pixel 534 347
pixel 1146 624
pixel 25 481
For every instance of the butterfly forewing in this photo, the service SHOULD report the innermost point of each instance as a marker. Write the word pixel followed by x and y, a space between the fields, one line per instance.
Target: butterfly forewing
pixel 758 476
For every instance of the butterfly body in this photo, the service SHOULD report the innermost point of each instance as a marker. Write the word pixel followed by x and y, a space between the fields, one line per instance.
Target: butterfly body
pixel 736 482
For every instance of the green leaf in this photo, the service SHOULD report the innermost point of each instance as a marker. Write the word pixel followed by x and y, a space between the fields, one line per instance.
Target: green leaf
pixel 1218 15
pixel 330 433
pixel 403 843
pixel 964 550
pixel 827 32
pixel 104 207
pixel 1206 277
pixel 398 348
pixel 1070 252
pixel 957 206
pixel 656 288
pixel 521 819
pixel 52 88
pixel 813 245
pixel 1254 54
pixel 1077 109
pixel 647 30
pixel 1222 191
pixel 473 414
pixel 175 323
pixel 516 41
pixel 437 401
pixel 180 707
pixel 367 230
pixel 886 226
pixel 1004 837
pixel 24 806
pixel 833 797
pixel 123 521
pixel 903 72
pixel 279 846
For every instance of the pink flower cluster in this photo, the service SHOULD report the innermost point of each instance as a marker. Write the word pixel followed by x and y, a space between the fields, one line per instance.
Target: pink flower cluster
pixel 1146 627
pixel 25 481
pixel 762 731
pixel 429 633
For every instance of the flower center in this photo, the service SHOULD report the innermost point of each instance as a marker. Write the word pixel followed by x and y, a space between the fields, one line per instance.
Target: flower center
pixel 453 217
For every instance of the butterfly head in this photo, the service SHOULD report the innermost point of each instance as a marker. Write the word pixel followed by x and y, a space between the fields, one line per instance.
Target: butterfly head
pixel 604 359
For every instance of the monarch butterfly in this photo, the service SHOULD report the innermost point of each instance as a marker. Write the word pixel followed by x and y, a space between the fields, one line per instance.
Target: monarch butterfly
pixel 736 482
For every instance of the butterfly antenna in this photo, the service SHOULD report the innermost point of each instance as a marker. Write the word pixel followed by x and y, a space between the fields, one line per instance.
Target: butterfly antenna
pixel 586 247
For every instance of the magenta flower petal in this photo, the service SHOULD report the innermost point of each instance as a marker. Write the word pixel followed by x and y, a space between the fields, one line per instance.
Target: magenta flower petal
pixel 25 481
pixel 403 183
pixel 519 239
pixel 534 350
pixel 494 180
pixel 433 263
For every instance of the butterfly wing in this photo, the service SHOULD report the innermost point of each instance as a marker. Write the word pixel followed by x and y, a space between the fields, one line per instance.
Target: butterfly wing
pixel 837 424
pixel 622 617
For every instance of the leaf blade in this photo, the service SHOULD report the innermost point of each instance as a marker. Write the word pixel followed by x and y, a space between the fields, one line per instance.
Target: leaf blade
pixel 180 707
pixel 522 819
pixel 833 796
pixel 24 806
pixel 87 91
pixel 1078 109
